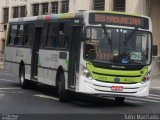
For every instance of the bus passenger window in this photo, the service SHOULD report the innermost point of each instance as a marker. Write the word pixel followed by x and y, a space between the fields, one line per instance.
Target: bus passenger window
pixel 51 35
pixel 28 34
pixel 19 35
pixel 63 37
pixel 12 35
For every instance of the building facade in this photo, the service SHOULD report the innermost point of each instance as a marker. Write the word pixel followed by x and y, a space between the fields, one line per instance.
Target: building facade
pixel 20 8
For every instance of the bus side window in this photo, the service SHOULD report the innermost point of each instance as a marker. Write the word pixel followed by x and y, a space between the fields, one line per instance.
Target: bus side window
pixel 51 35
pixel 63 35
pixel 19 35
pixel 28 34
pixel 9 36
pixel 12 34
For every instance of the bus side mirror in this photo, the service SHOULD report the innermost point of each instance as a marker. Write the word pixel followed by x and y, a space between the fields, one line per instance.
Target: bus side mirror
pixel 154 50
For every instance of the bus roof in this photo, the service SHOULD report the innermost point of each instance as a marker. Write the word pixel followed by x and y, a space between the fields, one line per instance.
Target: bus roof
pixel 47 17
pixel 77 14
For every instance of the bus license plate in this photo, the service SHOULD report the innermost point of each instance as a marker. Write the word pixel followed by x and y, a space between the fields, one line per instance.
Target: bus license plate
pixel 117 88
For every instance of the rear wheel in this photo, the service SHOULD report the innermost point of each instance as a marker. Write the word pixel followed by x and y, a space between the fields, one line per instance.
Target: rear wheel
pixel 119 100
pixel 62 92
pixel 23 81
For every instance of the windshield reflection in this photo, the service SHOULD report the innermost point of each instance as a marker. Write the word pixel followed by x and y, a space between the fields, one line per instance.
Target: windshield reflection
pixel 121 46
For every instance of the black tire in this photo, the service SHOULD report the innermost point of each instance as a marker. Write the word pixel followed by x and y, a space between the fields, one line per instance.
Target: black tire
pixel 23 81
pixel 119 100
pixel 63 94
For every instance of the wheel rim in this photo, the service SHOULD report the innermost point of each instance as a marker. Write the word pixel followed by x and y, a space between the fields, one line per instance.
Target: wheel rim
pixel 59 87
pixel 22 78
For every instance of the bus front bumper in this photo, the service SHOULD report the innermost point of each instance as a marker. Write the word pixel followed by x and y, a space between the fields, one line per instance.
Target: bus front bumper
pixel 101 88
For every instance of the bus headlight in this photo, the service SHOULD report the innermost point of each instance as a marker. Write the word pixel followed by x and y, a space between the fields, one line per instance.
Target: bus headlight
pixel 146 78
pixel 86 73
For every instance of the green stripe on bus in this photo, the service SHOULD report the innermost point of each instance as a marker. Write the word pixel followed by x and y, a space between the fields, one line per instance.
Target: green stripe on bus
pixel 108 75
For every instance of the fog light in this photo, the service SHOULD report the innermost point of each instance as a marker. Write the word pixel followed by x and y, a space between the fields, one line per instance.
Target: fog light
pixel 146 78
pixel 86 73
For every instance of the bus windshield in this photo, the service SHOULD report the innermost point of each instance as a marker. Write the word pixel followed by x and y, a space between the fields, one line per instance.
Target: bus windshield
pixel 117 46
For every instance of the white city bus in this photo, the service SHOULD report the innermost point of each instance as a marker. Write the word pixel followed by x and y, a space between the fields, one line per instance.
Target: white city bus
pixel 91 52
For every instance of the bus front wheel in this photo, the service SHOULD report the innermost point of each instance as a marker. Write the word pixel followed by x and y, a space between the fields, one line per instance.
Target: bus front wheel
pixel 63 94
pixel 23 81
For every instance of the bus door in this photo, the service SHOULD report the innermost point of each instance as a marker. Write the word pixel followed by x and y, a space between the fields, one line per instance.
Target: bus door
pixel 74 56
pixel 35 52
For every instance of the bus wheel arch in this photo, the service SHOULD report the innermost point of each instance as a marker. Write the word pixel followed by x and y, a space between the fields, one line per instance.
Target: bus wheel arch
pixel 60 84
pixel 20 66
pixel 23 81
pixel 59 71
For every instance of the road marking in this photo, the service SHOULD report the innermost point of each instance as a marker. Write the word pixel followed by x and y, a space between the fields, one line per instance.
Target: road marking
pixel 143 99
pixel 2 91
pixel 150 97
pixel 47 97
pixel 1 95
pixel 7 80
pixel 10 88
pixel 155 87
pixel 10 92
pixel 5 73
pixel 154 95
pixel 130 101
pixel 15 92
pixel 2 71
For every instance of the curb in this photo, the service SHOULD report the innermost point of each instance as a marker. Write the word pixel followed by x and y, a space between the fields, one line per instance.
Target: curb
pixel 157 88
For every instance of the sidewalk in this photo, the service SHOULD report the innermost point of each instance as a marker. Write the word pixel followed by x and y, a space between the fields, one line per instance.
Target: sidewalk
pixel 1 62
pixel 1 65
pixel 155 82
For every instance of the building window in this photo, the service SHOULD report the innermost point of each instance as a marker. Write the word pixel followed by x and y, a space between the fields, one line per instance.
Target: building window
pixel 98 4
pixel 5 27
pixel 54 7
pixel 22 11
pixel 65 6
pixel 35 9
pixel 119 5
pixel 5 14
pixel 44 8
pixel 15 12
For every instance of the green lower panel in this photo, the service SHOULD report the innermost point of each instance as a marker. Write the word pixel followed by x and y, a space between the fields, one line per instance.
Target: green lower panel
pixel 123 76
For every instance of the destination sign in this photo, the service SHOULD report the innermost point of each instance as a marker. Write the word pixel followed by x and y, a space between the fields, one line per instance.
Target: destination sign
pixel 117 19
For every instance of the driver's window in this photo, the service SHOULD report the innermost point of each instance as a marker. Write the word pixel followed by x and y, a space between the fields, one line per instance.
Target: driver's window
pixel 138 43
pixel 144 43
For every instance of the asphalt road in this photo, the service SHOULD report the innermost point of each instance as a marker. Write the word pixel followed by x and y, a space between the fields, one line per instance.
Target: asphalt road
pixel 44 100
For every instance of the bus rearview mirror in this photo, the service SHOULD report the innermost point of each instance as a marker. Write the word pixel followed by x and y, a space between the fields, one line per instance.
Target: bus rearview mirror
pixel 154 50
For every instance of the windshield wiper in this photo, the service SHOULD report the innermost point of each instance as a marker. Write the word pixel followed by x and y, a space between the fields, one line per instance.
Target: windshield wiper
pixel 106 34
pixel 130 36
